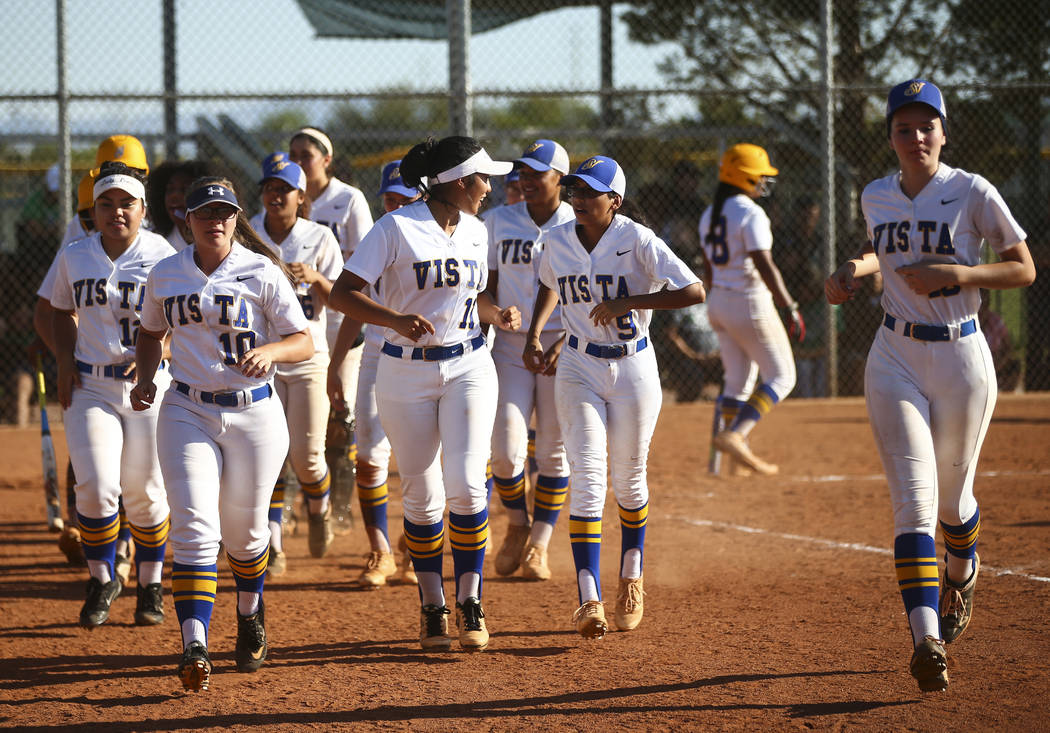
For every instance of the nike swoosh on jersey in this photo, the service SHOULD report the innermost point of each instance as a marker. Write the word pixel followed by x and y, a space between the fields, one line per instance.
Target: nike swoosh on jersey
pixel 621 254
pixel 945 202
pixel 242 278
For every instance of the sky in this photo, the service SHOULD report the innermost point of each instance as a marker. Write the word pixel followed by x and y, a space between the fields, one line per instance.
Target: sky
pixel 267 46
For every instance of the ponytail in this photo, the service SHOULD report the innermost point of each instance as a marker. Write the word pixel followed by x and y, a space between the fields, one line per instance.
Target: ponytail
pixel 722 194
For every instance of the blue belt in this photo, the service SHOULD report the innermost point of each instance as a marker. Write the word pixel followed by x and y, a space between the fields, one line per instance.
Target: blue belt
pixel 225 399
pixel 921 332
pixel 610 352
pixel 113 371
pixel 433 353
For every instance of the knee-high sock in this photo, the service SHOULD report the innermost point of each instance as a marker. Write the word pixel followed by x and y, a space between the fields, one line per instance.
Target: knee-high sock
pixel 373 501
pixel 99 536
pixel 512 494
pixel 468 535
pixel 277 501
pixel 551 492
pixel 915 556
pixel 632 538
pixel 585 536
pixel 425 545
pixel 960 542
pixel 150 543
pixel 317 493
pixel 193 588
pixel 760 403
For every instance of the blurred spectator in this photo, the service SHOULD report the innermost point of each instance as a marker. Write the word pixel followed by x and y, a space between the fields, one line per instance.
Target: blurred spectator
pixel 1007 365
pixel 512 188
pixel 692 356
pixel 811 355
pixel 799 244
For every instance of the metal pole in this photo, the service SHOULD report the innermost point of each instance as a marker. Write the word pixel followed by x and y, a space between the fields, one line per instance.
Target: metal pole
pixel 65 199
pixel 171 120
pixel 606 61
pixel 828 159
pixel 461 112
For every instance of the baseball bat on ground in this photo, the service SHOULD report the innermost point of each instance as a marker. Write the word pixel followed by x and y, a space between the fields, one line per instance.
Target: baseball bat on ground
pixel 47 453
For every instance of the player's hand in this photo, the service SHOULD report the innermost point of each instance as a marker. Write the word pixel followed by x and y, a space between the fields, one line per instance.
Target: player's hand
pixel 796 326
pixel 142 396
pixel 413 326
pixel 68 380
pixel 129 370
pixel 841 285
pixel 533 357
pixel 36 347
pixel 927 276
pixel 302 272
pixel 608 311
pixel 255 363
pixel 551 357
pixel 335 390
pixel 510 318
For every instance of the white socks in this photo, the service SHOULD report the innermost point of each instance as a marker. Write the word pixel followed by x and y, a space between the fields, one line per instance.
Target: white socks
pixel 518 517
pixel 631 564
pixel 924 622
pixel 377 539
pixel 588 588
pixel 276 537
pixel 193 630
pixel 430 590
pixel 541 533
pixel 247 602
pixel 469 586
pixel 99 569
pixel 318 506
pixel 149 572
pixel 959 569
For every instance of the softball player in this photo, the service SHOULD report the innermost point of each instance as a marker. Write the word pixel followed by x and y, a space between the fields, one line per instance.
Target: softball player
pixel 373 448
pixel 930 383
pixel 344 209
pixel 436 390
pixel 313 257
pixel 222 440
pixel 512 188
pixel 166 197
pixel 97 297
pixel 746 287
pixel 517 234
pixel 608 274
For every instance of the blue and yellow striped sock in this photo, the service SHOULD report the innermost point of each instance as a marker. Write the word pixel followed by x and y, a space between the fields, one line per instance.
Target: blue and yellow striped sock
pixel 585 536
pixel 193 588
pixel 319 489
pixel 916 558
pixel 512 491
pixel 729 409
pixel 632 535
pixel 150 542
pixel 961 540
pixel 124 532
pixel 277 501
pixel 373 501
pixel 762 400
pixel 468 535
pixel 99 536
pixel 250 574
pixel 351 449
pixel 425 544
pixel 489 482
pixel 551 492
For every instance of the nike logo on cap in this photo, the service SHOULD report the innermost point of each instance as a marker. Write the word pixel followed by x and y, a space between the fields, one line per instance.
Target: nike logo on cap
pixel 945 202
pixel 621 254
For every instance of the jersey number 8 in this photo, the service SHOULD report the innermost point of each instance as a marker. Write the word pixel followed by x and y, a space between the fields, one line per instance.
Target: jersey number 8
pixel 716 242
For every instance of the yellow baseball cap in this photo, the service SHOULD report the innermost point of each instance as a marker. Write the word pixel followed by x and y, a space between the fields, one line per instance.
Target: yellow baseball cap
pixel 125 148
pixel 85 192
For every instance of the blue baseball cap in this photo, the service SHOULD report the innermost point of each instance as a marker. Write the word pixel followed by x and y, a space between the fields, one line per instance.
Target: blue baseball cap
pixel 210 194
pixel 283 170
pixel 390 181
pixel 911 92
pixel 601 173
pixel 544 155
pixel 513 176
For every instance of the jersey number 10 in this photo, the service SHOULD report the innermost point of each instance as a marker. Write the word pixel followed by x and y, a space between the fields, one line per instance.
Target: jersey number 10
pixel 244 341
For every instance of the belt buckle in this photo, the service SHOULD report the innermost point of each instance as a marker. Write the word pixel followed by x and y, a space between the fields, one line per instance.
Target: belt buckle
pixel 909 331
pixel 621 351
pixel 431 353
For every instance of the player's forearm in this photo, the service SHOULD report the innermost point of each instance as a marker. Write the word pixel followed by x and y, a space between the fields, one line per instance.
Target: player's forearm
pixel 294 347
pixel 149 349
pixel 322 289
pixel 64 337
pixel 488 311
pixel 344 339
pixel 865 263
pixel 43 322
pixel 667 299
pixel 546 300
pixel 1015 270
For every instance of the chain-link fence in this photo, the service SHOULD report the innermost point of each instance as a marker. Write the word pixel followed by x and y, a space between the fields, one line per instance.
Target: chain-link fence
pixel 663 86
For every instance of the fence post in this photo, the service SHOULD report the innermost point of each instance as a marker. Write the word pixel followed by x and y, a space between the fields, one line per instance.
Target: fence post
pixel 171 120
pixel 828 188
pixel 65 201
pixel 461 112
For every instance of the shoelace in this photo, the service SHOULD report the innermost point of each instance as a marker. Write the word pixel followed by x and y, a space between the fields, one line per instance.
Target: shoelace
pixel 434 616
pixel 373 561
pixel 587 609
pixel 472 615
pixel 954 603
pixel 634 597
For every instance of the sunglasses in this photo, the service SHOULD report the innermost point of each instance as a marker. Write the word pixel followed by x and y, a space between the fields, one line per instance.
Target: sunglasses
pixel 215 213
pixel 583 192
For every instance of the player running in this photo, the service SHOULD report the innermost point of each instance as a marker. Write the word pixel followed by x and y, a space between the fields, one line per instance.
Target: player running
pixel 517 234
pixel 222 438
pixel 930 382
pixel 436 389
pixel 608 273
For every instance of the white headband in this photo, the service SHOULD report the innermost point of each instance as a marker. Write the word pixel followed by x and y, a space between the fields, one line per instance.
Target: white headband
pixel 318 136
pixel 479 162
pixel 125 183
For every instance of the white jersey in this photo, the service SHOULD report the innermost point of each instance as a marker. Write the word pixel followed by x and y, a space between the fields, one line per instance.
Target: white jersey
pixel 74 230
pixel 629 259
pixel 176 240
pixel 214 319
pixel 946 222
pixel 106 294
pixel 315 246
pixel 420 264
pixel 515 248
pixel 743 229
pixel 343 209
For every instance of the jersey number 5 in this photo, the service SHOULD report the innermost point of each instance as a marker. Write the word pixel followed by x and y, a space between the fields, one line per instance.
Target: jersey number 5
pixel 244 342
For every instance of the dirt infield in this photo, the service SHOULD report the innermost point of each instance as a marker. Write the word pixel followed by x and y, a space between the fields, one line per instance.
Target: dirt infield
pixel 771 603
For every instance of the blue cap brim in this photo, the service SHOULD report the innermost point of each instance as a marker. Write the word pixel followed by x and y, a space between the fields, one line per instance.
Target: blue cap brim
pixel 589 180
pixel 536 165
pixel 395 188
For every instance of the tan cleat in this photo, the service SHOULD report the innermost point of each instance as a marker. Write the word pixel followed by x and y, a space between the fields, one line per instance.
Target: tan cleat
pixel 734 444
pixel 534 563
pixel 122 568
pixel 321 535
pixel 378 568
pixel 277 564
pixel 629 604
pixel 433 628
pixel 69 544
pixel 408 572
pixel 509 556
pixel 929 665
pixel 590 620
pixel 470 620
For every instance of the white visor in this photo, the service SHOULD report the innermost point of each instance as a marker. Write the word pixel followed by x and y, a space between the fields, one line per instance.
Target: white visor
pixel 125 183
pixel 479 162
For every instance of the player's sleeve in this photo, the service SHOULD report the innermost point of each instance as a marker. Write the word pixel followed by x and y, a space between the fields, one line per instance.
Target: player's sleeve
pixel 330 259
pixel 48 283
pixel 992 218
pixel 546 271
pixel 490 228
pixel 376 251
pixel 151 317
pixel 61 296
pixel 661 263
pixel 357 223
pixel 283 310
pixel 756 232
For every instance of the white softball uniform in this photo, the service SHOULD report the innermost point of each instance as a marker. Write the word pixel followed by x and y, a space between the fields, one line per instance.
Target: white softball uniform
pixel 222 437
pixel 373 447
pixel 74 231
pixel 302 387
pixel 929 382
pixel 607 386
pixel 176 240
pixel 113 447
pixel 751 337
pixel 436 397
pixel 515 246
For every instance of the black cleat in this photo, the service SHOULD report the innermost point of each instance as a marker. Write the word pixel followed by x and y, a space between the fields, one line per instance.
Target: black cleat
pixel 195 668
pixel 251 641
pixel 929 665
pixel 149 609
pixel 100 597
